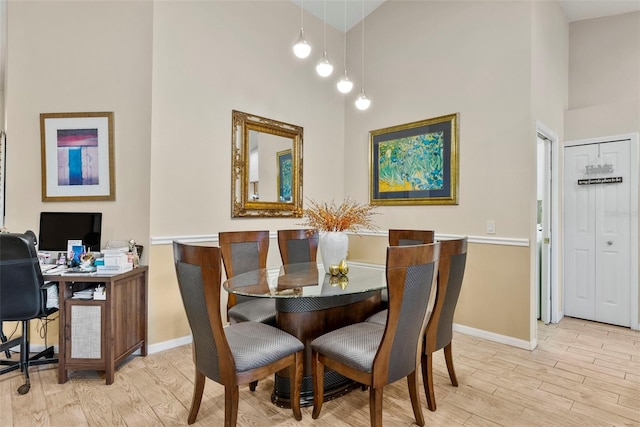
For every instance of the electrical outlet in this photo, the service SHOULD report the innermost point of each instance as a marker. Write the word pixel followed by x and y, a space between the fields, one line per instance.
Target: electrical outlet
pixel 491 226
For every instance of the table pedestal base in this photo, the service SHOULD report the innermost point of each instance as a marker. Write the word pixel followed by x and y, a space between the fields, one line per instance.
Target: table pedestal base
pixel 307 319
pixel 335 385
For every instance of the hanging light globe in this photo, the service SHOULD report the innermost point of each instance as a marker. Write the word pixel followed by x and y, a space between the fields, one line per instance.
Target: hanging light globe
pixel 344 84
pixel 324 67
pixel 363 102
pixel 301 49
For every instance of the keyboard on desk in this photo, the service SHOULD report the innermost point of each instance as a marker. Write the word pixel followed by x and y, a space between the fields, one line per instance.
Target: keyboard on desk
pixel 56 269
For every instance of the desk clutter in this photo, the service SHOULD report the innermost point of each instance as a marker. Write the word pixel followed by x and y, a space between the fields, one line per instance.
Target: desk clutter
pixel 117 257
pixel 114 261
pixel 93 293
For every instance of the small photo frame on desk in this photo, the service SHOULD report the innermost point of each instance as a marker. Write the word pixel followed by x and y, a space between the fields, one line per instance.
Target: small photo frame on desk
pixel 74 250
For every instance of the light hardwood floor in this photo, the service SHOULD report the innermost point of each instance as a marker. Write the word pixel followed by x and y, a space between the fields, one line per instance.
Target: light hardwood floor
pixel 582 374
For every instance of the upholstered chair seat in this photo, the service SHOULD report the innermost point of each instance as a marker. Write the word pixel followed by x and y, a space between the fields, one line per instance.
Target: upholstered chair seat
pixel 254 310
pixel 380 318
pixel 254 345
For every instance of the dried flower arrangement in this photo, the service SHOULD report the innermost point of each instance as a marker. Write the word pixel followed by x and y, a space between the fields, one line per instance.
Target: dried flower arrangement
pixel 348 216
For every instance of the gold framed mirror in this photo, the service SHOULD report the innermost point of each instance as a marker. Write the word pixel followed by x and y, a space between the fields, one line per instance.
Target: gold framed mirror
pixel 266 167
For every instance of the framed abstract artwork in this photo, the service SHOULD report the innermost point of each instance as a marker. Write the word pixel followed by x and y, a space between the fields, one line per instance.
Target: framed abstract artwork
pixel 285 163
pixel 77 156
pixel 415 163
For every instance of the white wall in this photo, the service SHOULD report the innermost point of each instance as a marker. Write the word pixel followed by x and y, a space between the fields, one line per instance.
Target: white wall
pixel 501 66
pixel 604 71
pixel 427 59
pixel 211 58
pixel 80 57
pixel 172 71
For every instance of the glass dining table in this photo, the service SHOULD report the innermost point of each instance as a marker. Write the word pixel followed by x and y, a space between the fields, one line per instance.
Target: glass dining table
pixel 310 303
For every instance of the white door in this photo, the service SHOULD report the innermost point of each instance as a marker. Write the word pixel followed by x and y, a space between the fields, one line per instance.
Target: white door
pixel 597 244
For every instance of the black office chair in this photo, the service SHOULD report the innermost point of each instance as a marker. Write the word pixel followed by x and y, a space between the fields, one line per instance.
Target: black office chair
pixel 22 298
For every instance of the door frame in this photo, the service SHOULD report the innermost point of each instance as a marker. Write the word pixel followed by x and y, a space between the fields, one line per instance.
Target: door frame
pixel 555 235
pixel 543 253
pixel 633 139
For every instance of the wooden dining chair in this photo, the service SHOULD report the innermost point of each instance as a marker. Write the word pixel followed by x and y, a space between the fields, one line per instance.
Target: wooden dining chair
pixel 238 354
pixel 373 354
pixel 244 251
pixel 410 237
pixel 299 245
pixel 453 258
pixel 404 238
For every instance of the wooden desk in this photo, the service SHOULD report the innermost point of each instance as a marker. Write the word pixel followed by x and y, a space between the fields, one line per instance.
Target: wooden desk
pixel 310 303
pixel 100 334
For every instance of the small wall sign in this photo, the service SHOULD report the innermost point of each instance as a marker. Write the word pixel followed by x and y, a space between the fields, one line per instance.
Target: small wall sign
pixel 592 181
pixel 598 169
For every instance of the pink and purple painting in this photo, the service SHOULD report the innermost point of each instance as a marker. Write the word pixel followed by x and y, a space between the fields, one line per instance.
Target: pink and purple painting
pixel 78 157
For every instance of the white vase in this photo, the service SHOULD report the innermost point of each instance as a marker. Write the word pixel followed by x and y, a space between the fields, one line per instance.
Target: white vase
pixel 333 247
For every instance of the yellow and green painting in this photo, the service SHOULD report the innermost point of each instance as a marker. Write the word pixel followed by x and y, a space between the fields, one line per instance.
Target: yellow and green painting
pixel 413 163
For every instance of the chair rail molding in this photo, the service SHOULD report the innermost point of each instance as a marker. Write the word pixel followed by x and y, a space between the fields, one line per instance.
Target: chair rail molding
pixel 484 240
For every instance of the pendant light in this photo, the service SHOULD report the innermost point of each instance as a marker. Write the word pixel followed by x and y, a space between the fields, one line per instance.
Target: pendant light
pixel 363 102
pixel 344 84
pixel 324 67
pixel 301 49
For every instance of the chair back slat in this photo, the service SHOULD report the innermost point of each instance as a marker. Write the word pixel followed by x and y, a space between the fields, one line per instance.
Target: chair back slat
pixel 244 257
pixel 453 258
pixel 199 274
pixel 410 237
pixel 417 290
pixel 243 251
pixel 411 275
pixel 297 246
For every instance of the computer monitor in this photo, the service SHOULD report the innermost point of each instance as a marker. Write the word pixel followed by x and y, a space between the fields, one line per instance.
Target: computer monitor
pixel 57 228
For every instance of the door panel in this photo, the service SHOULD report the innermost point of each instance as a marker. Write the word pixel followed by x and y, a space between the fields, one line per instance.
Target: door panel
pixel 597 234
pixel 579 232
pixel 613 239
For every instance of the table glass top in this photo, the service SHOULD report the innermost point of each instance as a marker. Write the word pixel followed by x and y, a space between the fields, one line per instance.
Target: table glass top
pixel 306 280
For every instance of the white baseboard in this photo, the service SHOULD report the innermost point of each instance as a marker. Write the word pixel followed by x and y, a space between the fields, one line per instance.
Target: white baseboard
pixel 492 336
pixel 479 333
pixel 153 348
pixel 167 345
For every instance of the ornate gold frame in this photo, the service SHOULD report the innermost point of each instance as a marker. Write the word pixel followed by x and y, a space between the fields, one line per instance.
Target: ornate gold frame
pixel 241 204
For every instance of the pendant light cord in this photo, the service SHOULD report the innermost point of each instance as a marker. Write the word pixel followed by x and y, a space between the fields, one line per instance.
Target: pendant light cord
pixel 345 34
pixel 324 28
pixel 362 44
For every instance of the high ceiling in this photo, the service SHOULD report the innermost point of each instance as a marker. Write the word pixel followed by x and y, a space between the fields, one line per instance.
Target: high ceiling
pixel 576 10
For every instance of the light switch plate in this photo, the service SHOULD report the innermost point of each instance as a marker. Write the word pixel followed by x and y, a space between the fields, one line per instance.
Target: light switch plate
pixel 491 226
